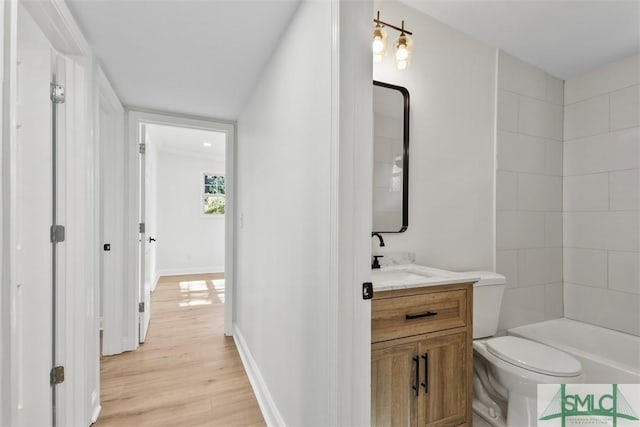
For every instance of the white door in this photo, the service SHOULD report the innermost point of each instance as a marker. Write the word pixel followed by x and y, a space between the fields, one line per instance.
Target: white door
pixel 144 295
pixel 33 216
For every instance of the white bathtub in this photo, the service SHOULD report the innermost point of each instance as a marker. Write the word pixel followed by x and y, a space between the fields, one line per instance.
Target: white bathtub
pixel 607 357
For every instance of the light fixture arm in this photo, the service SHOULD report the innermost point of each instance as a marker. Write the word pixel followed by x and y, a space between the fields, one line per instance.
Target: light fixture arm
pixel 386 24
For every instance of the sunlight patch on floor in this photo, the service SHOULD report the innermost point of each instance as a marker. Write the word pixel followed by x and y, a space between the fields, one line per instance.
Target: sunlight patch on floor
pixel 194 293
pixel 218 287
pixel 193 286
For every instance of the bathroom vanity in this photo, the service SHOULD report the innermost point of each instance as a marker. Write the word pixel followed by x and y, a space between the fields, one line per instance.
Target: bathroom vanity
pixel 421 350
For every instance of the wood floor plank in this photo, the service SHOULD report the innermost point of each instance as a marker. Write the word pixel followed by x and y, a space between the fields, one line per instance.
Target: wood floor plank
pixel 187 373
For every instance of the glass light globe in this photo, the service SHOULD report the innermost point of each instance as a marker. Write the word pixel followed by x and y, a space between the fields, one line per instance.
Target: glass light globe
pixel 379 45
pixel 403 50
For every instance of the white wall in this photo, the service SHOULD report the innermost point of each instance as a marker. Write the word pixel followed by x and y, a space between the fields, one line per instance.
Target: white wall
pixel 284 211
pixel 602 196
pixel 451 81
pixel 187 240
pixel 529 192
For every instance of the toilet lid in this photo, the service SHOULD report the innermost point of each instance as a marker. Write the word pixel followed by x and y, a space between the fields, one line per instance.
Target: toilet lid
pixel 534 356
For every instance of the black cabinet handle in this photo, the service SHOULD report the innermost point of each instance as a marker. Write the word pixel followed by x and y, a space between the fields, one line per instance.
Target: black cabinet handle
pixel 417 316
pixel 417 386
pixel 425 384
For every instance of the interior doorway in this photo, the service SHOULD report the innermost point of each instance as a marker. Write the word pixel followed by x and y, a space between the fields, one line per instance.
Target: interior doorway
pixel 185 204
pixel 182 189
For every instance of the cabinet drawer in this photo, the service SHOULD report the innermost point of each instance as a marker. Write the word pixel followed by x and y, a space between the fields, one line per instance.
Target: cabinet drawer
pixel 417 314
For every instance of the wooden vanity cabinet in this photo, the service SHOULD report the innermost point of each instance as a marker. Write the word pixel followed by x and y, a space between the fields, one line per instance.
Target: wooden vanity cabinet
pixel 421 356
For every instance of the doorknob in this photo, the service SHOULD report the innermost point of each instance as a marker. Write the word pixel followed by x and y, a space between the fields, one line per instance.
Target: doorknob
pixel 151 239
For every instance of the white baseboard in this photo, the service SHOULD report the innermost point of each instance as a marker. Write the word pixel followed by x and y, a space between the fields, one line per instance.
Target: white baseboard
pixel 155 282
pixel 268 407
pixel 96 413
pixel 189 270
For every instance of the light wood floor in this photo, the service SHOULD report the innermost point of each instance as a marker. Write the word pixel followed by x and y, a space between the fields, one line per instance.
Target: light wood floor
pixel 187 373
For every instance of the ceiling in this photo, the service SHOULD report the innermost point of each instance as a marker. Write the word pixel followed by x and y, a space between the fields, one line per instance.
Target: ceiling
pixel 187 141
pixel 566 38
pixel 197 57
pixel 203 57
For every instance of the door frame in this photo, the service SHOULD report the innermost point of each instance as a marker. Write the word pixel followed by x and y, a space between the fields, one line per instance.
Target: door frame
pixel 135 117
pixel 111 271
pixel 57 23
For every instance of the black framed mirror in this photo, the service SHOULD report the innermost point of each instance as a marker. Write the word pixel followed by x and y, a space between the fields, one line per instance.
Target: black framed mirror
pixel 390 158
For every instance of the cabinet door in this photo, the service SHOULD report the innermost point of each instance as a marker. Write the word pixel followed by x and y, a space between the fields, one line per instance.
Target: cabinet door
pixel 444 380
pixel 394 369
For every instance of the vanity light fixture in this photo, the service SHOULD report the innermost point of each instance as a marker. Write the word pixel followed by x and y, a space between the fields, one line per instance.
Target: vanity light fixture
pixel 403 47
pixel 379 41
pixel 206 144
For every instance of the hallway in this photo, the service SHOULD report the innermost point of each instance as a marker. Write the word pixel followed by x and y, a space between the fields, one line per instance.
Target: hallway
pixel 187 373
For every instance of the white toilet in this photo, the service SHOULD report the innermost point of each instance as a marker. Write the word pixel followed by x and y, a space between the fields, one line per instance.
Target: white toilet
pixel 508 369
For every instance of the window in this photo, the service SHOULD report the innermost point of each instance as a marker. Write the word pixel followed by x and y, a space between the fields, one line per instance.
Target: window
pixel 214 198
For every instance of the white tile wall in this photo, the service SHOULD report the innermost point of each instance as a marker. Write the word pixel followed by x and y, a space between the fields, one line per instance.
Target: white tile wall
pixel 624 271
pixel 586 193
pixel 623 231
pixel 602 153
pixel 506 191
pixel 553 229
pixel 585 118
pixel 586 230
pixel 521 306
pixel 539 266
pixel 531 232
pixel 553 156
pixel 568 194
pixel 507 230
pixel 521 153
pixel 625 108
pixel 617 75
pixel 553 301
pixel 601 197
pixel 507 264
pixel 519 77
pixel 540 118
pixel 529 192
pixel 555 90
pixel 539 192
pixel 519 229
pixel 585 266
pixel 507 111
pixel 587 155
pixel 625 153
pixel 624 190
pixel 607 308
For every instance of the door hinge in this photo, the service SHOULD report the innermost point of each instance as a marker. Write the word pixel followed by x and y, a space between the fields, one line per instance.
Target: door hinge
pixel 141 227
pixel 57 375
pixel 141 307
pixel 57 94
pixel 57 233
pixel 142 147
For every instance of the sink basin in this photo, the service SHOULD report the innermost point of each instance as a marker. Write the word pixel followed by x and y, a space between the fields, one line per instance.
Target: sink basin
pixel 381 277
pixel 414 275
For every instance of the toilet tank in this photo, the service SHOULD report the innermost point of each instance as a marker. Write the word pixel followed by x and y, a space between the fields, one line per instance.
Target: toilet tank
pixel 487 299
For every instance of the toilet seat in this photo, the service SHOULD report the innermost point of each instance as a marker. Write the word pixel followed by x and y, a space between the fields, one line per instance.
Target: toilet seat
pixel 534 356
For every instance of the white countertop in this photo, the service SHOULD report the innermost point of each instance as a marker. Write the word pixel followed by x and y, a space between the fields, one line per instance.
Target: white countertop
pixel 408 276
